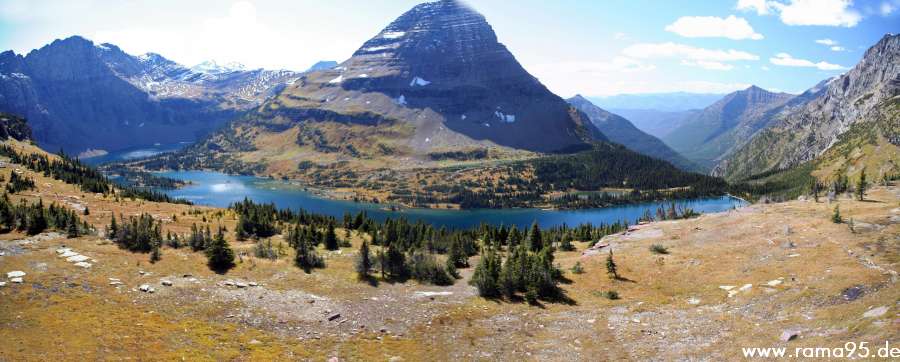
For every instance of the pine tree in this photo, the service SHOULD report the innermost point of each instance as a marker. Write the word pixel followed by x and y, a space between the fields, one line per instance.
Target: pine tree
pixel 456 256
pixel 330 238
pixel 155 254
pixel 364 261
pixel 487 275
pixel 836 216
pixel 219 255
pixel 113 228
pixel 566 243
pixel 862 185
pixel 535 243
pixel 306 257
pixel 72 229
pixel 396 262
pixel 611 268
pixel 451 268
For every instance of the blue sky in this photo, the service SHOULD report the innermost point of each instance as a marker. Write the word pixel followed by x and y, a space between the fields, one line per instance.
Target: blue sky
pixel 574 46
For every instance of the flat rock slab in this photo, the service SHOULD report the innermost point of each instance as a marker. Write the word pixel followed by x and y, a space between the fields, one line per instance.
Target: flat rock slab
pixel 77 259
pixel 876 312
pixel 15 274
pixel 83 264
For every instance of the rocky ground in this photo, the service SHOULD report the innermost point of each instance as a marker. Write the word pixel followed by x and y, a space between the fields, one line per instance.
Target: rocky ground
pixel 738 279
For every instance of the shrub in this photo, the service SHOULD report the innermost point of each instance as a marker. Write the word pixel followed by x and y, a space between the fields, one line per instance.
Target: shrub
pixel 658 249
pixel 577 268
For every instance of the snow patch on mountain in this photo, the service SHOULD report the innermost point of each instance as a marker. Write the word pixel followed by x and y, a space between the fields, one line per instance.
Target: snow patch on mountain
pixel 508 118
pixel 393 35
pixel 417 81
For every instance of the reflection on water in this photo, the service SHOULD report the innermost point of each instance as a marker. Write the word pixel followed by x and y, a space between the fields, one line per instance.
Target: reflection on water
pixel 134 153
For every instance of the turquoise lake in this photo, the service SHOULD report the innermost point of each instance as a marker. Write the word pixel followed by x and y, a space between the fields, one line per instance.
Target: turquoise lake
pixel 220 190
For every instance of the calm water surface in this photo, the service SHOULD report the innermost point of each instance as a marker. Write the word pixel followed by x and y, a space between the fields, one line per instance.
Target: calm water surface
pixel 220 190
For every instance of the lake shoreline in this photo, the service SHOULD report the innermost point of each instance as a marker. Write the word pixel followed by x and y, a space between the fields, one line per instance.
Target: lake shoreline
pixel 220 190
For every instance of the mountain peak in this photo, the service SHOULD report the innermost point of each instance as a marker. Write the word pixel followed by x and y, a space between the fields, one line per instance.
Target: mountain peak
pixel 213 67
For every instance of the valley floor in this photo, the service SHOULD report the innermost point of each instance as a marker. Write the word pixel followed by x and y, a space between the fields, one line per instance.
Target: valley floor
pixel 786 268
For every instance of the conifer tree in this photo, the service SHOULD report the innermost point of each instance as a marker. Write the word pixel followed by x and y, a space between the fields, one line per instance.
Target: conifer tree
pixel 363 261
pixel 862 185
pixel 113 228
pixel 535 242
pixel 306 257
pixel 155 254
pixel 330 238
pixel 72 229
pixel 487 275
pixel 566 243
pixel 219 255
pixel 836 216
pixel 611 268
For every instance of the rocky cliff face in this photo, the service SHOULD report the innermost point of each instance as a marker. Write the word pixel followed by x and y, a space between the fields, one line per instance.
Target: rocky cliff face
pixel 79 95
pixel 716 131
pixel 13 127
pixel 622 131
pixel 804 130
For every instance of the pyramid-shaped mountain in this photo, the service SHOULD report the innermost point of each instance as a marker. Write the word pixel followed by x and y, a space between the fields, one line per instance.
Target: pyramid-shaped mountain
pixel 435 80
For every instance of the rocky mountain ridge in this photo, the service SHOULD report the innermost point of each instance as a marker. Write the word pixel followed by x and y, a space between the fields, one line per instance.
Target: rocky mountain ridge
pixel 716 131
pixel 814 122
pixel 79 95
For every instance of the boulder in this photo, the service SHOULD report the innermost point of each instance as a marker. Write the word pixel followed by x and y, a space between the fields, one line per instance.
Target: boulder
pixel 167 283
pixel 789 335
pixel 240 284
pixel 146 288
pixel 16 280
pixel 82 264
pixel 2 284
pixel 15 274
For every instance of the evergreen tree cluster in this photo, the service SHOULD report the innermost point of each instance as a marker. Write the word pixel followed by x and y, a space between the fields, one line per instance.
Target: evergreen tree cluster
pixel 72 171
pixel 34 218
pixel 19 183
pixel 136 233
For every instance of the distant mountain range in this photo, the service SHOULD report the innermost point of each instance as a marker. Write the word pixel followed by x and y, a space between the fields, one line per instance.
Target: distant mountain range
pixel 654 122
pixel 707 136
pixel 78 95
pixel 621 131
pixel 665 102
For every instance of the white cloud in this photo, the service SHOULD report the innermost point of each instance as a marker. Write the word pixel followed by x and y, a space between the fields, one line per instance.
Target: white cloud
pixel 818 12
pixel 618 64
pixel 732 27
pixel 759 6
pixel 886 8
pixel 689 55
pixel 831 44
pixel 708 65
pixel 808 12
pixel 620 36
pixel 786 60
